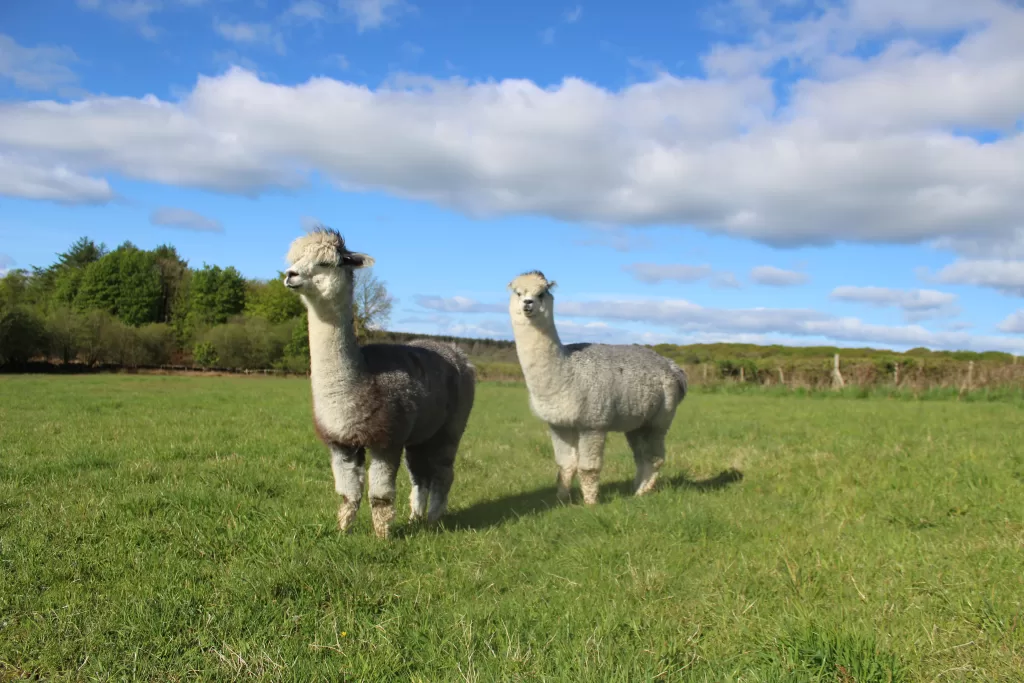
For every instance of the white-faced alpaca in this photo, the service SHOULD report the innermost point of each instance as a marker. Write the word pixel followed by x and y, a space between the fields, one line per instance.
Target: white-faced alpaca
pixel 377 399
pixel 584 391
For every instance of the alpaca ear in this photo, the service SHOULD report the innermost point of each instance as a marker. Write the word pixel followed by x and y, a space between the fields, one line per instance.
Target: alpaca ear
pixel 354 259
pixel 551 285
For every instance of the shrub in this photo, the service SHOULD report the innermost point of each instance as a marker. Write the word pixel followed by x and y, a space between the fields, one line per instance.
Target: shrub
pixel 249 343
pixel 99 338
pixel 22 335
pixel 204 354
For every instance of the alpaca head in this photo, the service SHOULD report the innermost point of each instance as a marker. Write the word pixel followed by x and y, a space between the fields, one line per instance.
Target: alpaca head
pixel 320 267
pixel 531 301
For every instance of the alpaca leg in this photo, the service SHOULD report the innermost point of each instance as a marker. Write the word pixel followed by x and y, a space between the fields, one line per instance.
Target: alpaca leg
pixel 419 478
pixel 349 467
pixel 591 457
pixel 440 485
pixel 418 496
pixel 566 456
pixel 649 455
pixel 383 471
pixel 433 465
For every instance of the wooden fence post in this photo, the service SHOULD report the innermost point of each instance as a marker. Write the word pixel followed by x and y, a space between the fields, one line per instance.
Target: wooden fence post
pixel 896 374
pixel 782 378
pixel 742 378
pixel 837 377
pixel 705 367
pixel 970 375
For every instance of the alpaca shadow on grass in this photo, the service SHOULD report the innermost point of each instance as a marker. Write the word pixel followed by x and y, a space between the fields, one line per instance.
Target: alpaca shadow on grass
pixel 496 512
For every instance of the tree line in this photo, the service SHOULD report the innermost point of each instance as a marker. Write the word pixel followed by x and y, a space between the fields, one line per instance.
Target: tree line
pixel 133 307
pixel 136 307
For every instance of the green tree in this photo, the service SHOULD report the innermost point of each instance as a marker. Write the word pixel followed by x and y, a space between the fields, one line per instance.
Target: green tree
pixel 272 301
pixel 66 284
pixel 100 284
pixel 80 254
pixel 140 293
pixel 173 274
pixel 215 294
pixel 124 283
pixel 14 287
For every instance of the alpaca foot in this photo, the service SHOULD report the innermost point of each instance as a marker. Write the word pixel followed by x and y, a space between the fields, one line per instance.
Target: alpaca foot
pixel 564 485
pixel 646 477
pixel 347 514
pixel 647 485
pixel 418 502
pixel 382 512
pixel 589 482
pixel 436 513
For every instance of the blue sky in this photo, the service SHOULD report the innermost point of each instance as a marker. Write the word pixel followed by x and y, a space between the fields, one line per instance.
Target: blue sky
pixel 770 171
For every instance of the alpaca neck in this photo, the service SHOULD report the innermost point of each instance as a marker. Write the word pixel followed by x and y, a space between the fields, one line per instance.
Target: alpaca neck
pixel 542 358
pixel 335 359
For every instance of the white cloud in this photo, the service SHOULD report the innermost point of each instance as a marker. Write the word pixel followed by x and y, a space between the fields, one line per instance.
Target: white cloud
pixel 574 15
pixel 411 50
pixel 1007 276
pixel 446 325
pixel 916 304
pixel 44 67
pixel 458 304
pixel 229 58
pixel 6 263
pixel 371 14
pixel 26 180
pixel 309 10
pixel 861 149
pixel 1009 245
pixel 725 280
pixel 618 239
pixel 251 34
pixel 1014 323
pixel 653 273
pixel 339 61
pixel 135 12
pixel 547 36
pixel 689 320
pixel 777 277
pixel 171 217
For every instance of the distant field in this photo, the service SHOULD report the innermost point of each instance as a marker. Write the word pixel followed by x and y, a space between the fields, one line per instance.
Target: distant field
pixel 170 528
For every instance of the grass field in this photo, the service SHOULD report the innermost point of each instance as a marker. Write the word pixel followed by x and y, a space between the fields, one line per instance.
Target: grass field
pixel 171 528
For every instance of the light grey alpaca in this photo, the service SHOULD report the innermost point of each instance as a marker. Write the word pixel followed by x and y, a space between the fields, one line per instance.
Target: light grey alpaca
pixel 379 398
pixel 584 391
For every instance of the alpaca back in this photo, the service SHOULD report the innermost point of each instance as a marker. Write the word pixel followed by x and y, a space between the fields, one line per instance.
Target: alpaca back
pixel 426 387
pixel 623 387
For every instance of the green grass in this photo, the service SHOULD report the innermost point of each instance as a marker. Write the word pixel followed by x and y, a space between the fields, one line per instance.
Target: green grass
pixel 170 528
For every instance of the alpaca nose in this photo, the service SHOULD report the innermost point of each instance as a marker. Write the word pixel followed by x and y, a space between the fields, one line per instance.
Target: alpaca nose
pixel 288 275
pixel 527 304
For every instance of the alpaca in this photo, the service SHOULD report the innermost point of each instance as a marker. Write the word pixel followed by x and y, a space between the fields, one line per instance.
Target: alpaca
pixel 584 391
pixel 379 398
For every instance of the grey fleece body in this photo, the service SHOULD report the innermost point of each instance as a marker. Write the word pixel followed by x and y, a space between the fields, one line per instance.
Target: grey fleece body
pixel 411 394
pixel 614 388
pixel 584 391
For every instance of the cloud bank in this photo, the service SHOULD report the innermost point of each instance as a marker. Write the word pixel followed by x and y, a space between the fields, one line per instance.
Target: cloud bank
pixel 681 318
pixel 875 146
